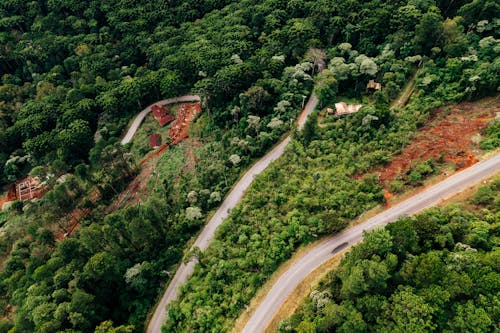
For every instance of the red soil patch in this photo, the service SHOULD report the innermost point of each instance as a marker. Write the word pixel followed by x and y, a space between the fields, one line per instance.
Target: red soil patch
pixel 3 200
pixel 178 131
pixel 185 115
pixel 447 137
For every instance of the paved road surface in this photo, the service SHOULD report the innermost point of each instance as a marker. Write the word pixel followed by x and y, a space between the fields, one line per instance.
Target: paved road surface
pixel 206 236
pixel 140 117
pixel 322 252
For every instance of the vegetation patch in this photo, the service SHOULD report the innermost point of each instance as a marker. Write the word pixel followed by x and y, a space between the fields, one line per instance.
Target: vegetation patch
pixel 436 271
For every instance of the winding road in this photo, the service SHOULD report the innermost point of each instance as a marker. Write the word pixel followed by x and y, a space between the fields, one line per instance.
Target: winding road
pixel 324 251
pixel 140 117
pixel 206 236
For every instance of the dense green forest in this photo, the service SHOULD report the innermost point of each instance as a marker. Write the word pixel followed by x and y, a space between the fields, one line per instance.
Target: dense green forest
pixel 319 193
pixel 435 272
pixel 72 69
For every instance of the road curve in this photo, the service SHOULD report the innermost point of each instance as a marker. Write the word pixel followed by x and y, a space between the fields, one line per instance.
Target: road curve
pixel 318 255
pixel 207 234
pixel 140 117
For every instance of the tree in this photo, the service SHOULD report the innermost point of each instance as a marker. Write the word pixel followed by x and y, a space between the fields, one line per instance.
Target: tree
pixel 428 33
pixel 409 312
pixel 455 42
pixel 108 327
pixel 317 57
pixel 253 99
pixel 340 70
pixel 326 87
pixel 367 66
pixel 75 142
pixel 311 129
pixel 470 318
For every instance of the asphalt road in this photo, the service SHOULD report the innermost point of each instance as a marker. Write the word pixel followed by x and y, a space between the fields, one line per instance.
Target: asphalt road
pixel 323 251
pixel 207 234
pixel 140 117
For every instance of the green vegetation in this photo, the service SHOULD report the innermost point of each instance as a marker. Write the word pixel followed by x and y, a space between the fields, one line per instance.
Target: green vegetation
pixel 70 70
pixel 319 193
pixel 435 272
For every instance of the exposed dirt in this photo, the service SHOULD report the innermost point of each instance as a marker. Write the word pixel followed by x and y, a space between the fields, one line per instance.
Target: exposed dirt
pixel 185 115
pixel 448 137
pixel 3 200
pixel 178 131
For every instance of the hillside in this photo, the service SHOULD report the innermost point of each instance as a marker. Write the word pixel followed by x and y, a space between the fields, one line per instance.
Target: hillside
pixel 435 272
pixel 111 222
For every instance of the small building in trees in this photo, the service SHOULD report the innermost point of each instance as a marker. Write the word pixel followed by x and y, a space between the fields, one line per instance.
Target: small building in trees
pixel 342 108
pixel 372 85
pixel 162 114
pixel 29 188
pixel 154 140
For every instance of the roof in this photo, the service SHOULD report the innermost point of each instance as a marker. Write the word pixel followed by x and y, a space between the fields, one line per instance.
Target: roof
pixel 342 108
pixel 29 188
pixel 373 85
pixel 154 140
pixel 161 114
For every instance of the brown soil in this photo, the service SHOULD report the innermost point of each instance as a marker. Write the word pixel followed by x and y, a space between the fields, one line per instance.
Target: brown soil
pixel 447 137
pixel 178 131
pixel 185 115
pixel 3 200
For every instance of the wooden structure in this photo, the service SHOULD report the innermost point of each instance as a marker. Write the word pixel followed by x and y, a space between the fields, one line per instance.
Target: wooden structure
pixel 29 188
pixel 162 114
pixel 154 141
pixel 342 108
pixel 373 85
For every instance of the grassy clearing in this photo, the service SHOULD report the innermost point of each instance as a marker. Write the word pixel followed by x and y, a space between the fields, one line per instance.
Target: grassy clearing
pixel 140 143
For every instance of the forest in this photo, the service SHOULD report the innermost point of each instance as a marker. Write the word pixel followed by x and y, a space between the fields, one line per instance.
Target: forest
pixel 73 74
pixel 434 272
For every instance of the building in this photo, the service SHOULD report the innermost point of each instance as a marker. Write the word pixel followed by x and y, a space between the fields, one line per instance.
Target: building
pixel 162 115
pixel 373 85
pixel 154 141
pixel 29 188
pixel 342 108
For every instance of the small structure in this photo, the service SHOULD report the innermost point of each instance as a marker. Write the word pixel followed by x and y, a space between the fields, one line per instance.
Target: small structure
pixel 29 188
pixel 373 85
pixel 330 111
pixel 154 141
pixel 342 108
pixel 162 115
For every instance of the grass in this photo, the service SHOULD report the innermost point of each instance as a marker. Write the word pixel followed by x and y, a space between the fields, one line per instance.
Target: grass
pixel 168 166
pixel 405 95
pixel 140 143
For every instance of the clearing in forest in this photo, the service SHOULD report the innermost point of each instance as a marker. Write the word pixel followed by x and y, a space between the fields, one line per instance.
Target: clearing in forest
pixel 452 135
pixel 177 132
